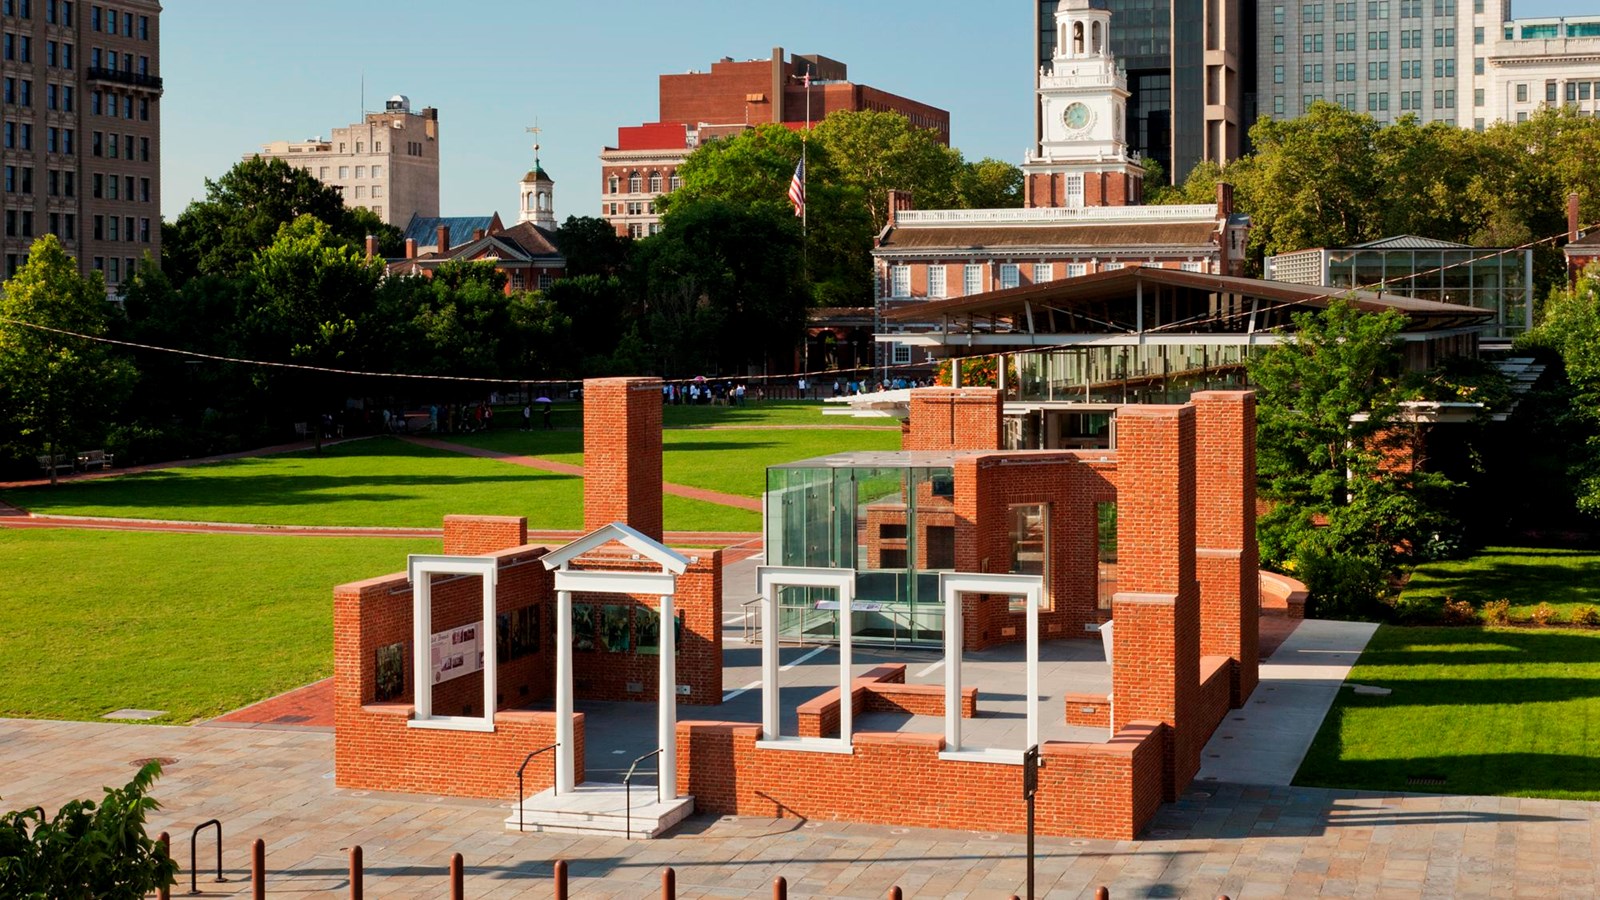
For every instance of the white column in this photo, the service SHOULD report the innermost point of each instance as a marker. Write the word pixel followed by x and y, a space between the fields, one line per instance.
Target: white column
pixel 769 662
pixel 491 662
pixel 565 769
pixel 422 650
pixel 847 602
pixel 952 671
pixel 667 715
pixel 1034 595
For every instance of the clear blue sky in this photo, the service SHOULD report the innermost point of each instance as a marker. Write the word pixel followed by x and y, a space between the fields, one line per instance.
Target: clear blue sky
pixel 239 75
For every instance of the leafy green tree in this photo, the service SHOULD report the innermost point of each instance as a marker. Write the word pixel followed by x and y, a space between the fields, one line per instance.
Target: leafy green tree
pixel 593 305
pixel 1571 327
pixel 58 388
pixel 989 184
pixel 243 210
pixel 1199 187
pixel 876 152
pixel 87 849
pixel 592 246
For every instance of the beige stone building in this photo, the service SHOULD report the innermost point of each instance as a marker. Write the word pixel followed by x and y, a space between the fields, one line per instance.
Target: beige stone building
pixel 81 138
pixel 388 163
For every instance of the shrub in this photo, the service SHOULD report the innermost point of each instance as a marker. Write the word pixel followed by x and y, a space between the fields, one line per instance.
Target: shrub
pixel 1544 614
pixel 1459 612
pixel 1341 586
pixel 1586 615
pixel 1497 612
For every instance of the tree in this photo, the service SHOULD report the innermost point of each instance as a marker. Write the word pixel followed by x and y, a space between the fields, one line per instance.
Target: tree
pixel 1571 327
pixel 876 152
pixel 592 246
pixel 58 388
pixel 1199 187
pixel 244 209
pixel 86 850
pixel 989 184
pixel 1346 510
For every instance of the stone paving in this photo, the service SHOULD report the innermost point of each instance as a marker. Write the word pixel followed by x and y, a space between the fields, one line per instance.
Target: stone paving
pixel 1243 841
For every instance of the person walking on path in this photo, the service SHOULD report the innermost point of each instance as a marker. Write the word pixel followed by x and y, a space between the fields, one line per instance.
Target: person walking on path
pixel 547 425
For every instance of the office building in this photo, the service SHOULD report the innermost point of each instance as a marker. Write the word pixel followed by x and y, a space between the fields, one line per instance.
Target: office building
pixel 1190 76
pixel 388 162
pixel 1523 64
pixel 82 131
pixel 695 107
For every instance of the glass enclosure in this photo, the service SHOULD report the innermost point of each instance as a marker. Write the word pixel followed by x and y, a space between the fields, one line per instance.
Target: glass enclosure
pixel 1471 276
pixel 1150 373
pixel 889 516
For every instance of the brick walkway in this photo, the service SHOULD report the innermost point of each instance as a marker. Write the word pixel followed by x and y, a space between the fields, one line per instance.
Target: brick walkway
pixel 1244 841
pixel 308 708
pixel 533 462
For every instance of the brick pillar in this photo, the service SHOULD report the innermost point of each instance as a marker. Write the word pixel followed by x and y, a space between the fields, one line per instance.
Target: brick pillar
pixel 477 535
pixel 1155 672
pixel 1226 558
pixel 622 453
pixel 954 419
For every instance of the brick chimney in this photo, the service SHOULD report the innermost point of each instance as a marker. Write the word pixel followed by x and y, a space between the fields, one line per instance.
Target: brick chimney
pixel 411 248
pixel 1572 217
pixel 444 238
pixel 899 201
pixel 477 234
pixel 622 453
pixel 372 246
pixel 1224 199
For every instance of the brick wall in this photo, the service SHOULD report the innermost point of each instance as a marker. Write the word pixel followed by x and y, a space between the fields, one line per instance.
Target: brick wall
pixel 1107 791
pixel 1216 694
pixel 1227 558
pixel 476 535
pixel 1091 710
pixel 622 453
pixel 880 689
pixel 1049 189
pixel 955 419
pixel 1156 654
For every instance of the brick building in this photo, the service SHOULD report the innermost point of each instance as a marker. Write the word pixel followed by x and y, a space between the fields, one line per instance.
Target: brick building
pixel 696 107
pixel 82 92
pixel 496 626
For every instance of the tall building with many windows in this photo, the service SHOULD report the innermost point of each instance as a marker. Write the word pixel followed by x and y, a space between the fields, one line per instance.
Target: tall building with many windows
pixel 388 162
pixel 82 131
pixel 1523 64
pixel 1190 71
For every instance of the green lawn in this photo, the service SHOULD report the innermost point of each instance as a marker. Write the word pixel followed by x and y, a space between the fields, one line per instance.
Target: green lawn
pixel 375 482
pixel 1527 576
pixel 1500 711
pixel 195 624
pixel 732 461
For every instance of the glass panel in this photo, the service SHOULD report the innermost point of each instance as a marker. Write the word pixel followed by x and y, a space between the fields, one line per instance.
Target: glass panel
pixel 1028 525
pixel 1106 526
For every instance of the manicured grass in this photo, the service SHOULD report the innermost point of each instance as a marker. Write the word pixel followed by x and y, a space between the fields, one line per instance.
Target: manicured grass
pixel 733 461
pixel 194 624
pixel 1527 576
pixel 1504 711
pixel 375 482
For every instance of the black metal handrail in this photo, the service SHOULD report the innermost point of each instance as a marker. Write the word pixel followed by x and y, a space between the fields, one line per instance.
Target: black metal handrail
pixel 627 791
pixel 125 76
pixel 555 789
pixel 194 839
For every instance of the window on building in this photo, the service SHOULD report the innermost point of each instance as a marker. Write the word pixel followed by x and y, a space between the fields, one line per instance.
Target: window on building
pixel 1583 90
pixel 144 190
pixel 1192 267
pixel 1522 93
pixel 1277 15
pixel 1106 539
pixel 1277 74
pixel 971 280
pixel 936 286
pixel 900 354
pixel 1378 71
pixel 674 182
pixel 613 185
pixel 635 183
pixel 1311 43
pixel 1311 12
pixel 1110 266
pixel 1043 272
pixel 1377 9
pixel 900 281
pixel 1549 92
pixel 1477 66
pixel 655 182
pixel 1028 525
pixel 1477 125
pixel 1277 105
pixel 1377 40
pixel 1010 275
pixel 1077 270
pixel 344 173
pixel 361 192
pixel 377 171
pixel 1074 187
pixel 1277 43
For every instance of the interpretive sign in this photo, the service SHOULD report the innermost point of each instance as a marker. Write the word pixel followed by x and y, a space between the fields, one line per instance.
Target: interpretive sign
pixel 457 652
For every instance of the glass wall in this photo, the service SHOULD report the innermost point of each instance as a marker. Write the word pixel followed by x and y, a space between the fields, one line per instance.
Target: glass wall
pixel 1470 276
pixel 1151 373
pixel 894 525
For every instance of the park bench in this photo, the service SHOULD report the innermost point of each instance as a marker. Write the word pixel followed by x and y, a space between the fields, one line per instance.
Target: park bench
pixel 60 463
pixel 95 459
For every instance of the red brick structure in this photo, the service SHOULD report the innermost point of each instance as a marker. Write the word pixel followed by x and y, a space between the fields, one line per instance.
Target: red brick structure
pixel 622 453
pixel 954 419
pixel 475 535
pixel 879 689
pixel 1226 557
pixel 1043 189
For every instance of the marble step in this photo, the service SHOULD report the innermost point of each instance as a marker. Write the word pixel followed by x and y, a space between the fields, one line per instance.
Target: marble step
pixel 599 809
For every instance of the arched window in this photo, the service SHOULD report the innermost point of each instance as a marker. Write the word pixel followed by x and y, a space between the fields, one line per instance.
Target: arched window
pixel 613 184
pixel 674 182
pixel 655 182
pixel 634 183
pixel 527 201
pixel 1095 39
pixel 544 201
pixel 1077 38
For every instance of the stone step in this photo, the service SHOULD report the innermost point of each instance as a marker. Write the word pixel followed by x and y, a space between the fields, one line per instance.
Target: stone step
pixel 599 809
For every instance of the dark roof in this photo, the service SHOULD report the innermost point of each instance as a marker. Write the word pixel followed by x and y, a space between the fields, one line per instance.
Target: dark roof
pixel 1588 242
pixel 425 229
pixel 1407 242
pixel 1122 284
pixel 1107 236
pixel 524 242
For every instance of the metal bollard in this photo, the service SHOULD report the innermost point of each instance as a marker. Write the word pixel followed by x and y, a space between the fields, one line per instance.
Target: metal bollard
pixel 258 869
pixel 561 879
pixel 165 891
pixel 780 888
pixel 894 893
pixel 669 884
pixel 458 885
pixel 357 871
pixel 1102 893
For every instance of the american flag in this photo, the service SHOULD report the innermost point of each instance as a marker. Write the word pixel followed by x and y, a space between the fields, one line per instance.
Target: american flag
pixel 797 188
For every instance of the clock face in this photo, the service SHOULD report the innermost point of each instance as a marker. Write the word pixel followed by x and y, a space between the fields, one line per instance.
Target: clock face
pixel 1076 117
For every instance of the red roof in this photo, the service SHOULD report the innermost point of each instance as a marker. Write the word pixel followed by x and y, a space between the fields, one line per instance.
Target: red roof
pixel 653 136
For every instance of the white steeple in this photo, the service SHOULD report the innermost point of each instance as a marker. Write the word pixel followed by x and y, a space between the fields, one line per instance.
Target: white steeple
pixel 1082 94
pixel 537 191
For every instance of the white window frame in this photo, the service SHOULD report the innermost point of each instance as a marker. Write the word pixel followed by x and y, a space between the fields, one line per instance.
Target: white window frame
pixel 1010 275
pixel 1074 190
pixel 900 354
pixel 900 282
pixel 971 280
pixel 952 585
pixel 1043 273
pixel 1192 266
pixel 769 580
pixel 1077 270
pixel 936 281
pixel 420 569
pixel 1111 266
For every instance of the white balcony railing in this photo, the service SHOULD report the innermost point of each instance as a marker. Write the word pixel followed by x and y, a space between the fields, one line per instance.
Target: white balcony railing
pixel 1088 215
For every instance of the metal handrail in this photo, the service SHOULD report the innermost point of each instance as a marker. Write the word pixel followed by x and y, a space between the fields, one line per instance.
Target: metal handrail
pixel 752 618
pixel 627 791
pixel 555 789
pixel 194 869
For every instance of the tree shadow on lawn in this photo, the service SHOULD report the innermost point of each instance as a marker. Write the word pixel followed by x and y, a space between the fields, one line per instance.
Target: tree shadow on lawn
pixel 677 446
pixel 1475 646
pixel 1535 581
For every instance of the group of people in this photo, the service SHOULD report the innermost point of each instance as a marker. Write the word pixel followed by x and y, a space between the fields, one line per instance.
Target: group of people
pixel 460 418
pixel 711 393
